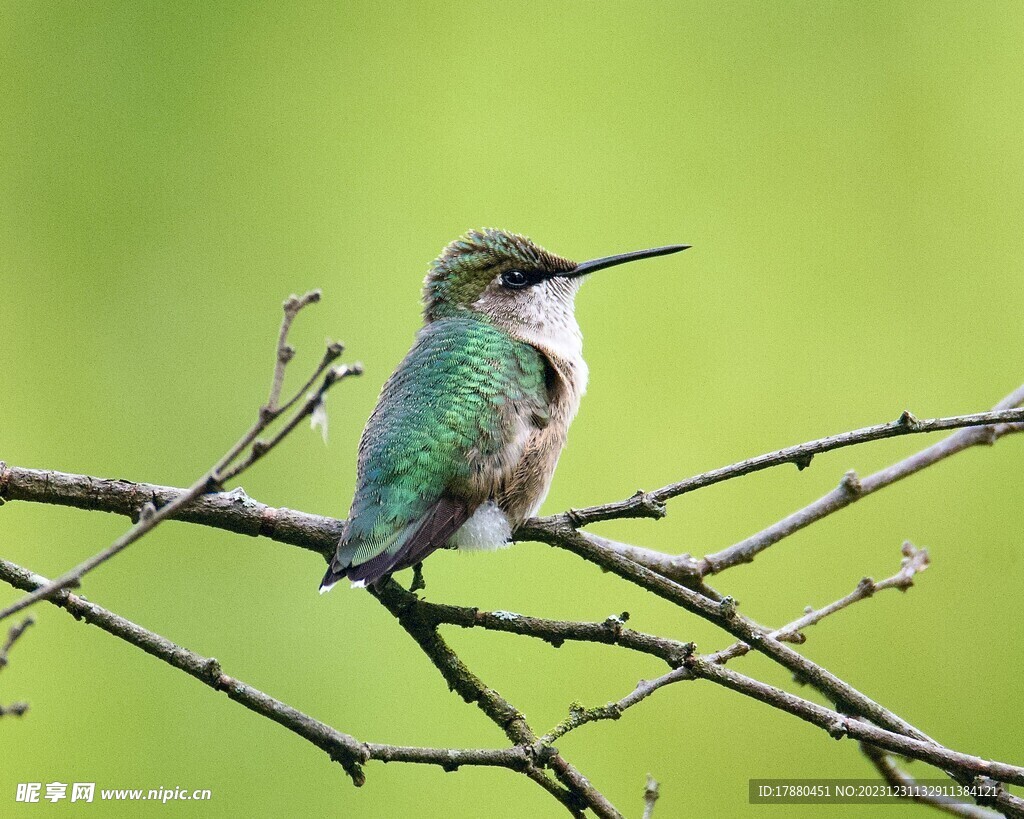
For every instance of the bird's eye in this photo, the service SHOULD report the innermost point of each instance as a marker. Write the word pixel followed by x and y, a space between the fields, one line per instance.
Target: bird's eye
pixel 514 279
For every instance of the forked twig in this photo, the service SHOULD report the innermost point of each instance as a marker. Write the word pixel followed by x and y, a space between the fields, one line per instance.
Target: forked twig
pixel 214 477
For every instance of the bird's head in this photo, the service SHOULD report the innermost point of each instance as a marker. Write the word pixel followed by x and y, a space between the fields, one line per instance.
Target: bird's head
pixel 510 280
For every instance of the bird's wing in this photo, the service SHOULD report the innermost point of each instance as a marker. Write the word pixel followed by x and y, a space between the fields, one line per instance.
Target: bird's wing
pixel 440 522
pixel 448 428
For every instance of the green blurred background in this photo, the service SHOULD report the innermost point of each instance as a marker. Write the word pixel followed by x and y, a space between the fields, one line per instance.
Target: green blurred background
pixel 850 177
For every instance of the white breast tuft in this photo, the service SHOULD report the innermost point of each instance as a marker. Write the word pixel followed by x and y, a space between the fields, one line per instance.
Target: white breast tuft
pixel 486 530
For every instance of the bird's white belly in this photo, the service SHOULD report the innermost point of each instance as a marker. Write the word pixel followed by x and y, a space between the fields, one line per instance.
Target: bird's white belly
pixel 486 530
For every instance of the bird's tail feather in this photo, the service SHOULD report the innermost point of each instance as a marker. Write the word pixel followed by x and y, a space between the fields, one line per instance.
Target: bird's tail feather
pixel 417 541
pixel 330 579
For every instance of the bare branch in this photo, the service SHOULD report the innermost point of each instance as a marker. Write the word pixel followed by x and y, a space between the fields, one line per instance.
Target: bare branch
pixel 722 612
pixel 894 775
pixel 248 516
pixel 835 723
pixel 13 635
pixel 285 352
pixel 979 428
pixel 651 504
pixel 840 726
pixel 207 670
pixel 417 618
pixel 148 515
pixel 312 401
pixel 726 617
pixel 611 631
pixel 231 511
pixel 577 792
pixel 15 709
pixel 914 562
pixel 341 747
pixel 850 491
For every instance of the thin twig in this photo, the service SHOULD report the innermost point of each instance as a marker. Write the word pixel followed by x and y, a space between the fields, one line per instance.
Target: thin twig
pixel 652 504
pixel 835 723
pixel 905 783
pixel 284 352
pixel 913 563
pixel 840 726
pixel 852 489
pixel 260 448
pixel 15 709
pixel 723 614
pixel 651 794
pixel 566 539
pixel 150 517
pixel 248 516
pixel 13 635
pixel 684 568
pixel 341 747
pixel 611 631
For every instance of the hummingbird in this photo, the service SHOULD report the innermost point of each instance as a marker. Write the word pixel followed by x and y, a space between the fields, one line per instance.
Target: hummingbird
pixel 463 443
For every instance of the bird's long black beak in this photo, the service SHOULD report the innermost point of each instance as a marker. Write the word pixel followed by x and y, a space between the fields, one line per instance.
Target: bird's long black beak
pixel 610 261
